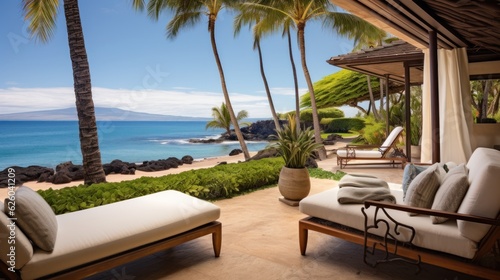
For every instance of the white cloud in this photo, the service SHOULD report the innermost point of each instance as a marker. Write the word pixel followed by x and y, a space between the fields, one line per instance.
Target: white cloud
pixel 167 102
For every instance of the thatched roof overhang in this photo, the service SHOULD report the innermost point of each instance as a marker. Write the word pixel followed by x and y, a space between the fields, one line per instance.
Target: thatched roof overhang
pixel 384 60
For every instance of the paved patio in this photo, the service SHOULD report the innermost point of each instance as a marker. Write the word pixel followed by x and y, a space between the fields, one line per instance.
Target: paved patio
pixel 260 241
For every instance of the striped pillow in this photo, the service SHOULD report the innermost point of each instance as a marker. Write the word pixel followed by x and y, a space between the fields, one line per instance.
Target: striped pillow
pixel 423 188
pixel 451 192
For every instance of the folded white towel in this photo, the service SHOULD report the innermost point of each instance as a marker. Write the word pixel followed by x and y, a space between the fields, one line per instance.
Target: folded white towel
pixel 349 195
pixel 362 182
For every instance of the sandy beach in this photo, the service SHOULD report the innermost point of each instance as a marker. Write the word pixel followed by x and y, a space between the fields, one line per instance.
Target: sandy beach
pixel 197 164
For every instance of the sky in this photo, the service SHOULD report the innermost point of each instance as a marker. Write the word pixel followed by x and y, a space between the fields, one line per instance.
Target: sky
pixel 135 67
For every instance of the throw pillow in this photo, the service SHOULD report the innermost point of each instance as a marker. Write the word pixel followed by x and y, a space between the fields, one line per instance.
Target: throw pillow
pixel 451 192
pixel 423 188
pixel 410 172
pixel 12 236
pixel 35 218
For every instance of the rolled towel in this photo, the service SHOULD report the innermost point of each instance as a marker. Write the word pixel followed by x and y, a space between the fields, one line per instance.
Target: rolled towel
pixel 350 195
pixel 362 182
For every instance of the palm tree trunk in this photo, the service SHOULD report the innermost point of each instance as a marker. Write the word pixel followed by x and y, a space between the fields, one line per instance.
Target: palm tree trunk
pixel 486 93
pixel 89 144
pixel 266 86
pixel 211 26
pixel 494 103
pixel 372 99
pixel 317 133
pixel 295 80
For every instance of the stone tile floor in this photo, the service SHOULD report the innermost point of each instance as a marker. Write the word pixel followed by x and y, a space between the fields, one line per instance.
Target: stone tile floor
pixel 260 241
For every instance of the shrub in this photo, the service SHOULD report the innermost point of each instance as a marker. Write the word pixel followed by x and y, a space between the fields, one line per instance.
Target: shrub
pixel 222 181
pixel 306 115
pixel 344 125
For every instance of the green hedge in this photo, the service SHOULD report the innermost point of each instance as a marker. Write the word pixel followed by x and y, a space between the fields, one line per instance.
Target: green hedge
pixel 221 181
pixel 344 125
pixel 306 115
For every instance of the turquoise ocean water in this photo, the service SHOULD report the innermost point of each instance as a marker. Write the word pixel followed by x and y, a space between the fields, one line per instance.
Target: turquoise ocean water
pixel 48 143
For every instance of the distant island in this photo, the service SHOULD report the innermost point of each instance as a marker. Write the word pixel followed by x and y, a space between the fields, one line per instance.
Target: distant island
pixel 102 114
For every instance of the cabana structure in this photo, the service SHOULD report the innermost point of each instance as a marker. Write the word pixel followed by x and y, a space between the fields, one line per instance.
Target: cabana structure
pixel 450 43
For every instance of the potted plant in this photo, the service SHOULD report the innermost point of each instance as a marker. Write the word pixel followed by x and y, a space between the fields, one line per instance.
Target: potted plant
pixel 295 146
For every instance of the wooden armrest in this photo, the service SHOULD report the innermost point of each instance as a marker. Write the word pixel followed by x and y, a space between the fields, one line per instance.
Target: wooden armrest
pixel 439 213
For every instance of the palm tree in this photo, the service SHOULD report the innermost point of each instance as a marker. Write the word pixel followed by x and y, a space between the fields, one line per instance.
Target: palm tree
pixel 188 13
pixel 258 30
pixel 222 118
pixel 41 16
pixel 302 11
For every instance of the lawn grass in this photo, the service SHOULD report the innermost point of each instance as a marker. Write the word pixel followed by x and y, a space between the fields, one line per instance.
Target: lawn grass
pixel 351 134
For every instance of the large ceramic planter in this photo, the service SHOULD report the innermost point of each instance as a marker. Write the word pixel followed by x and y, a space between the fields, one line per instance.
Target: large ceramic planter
pixel 415 152
pixel 294 183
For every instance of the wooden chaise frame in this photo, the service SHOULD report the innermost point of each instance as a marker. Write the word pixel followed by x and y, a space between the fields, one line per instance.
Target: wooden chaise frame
pixel 351 154
pixel 413 253
pixel 89 269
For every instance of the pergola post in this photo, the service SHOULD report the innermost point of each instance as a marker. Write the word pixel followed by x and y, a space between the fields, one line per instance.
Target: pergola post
pixel 407 111
pixel 387 102
pixel 434 88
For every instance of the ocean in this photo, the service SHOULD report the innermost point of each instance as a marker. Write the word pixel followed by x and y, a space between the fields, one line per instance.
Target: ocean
pixel 48 143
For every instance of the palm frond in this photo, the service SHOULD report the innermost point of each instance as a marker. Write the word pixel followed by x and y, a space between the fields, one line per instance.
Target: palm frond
pixel 41 15
pixel 182 20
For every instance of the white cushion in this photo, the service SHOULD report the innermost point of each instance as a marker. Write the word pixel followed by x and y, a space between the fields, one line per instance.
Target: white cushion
pixel 443 237
pixel 482 198
pixel 391 138
pixel 360 153
pixel 451 192
pixel 95 233
pixel 36 218
pixel 22 246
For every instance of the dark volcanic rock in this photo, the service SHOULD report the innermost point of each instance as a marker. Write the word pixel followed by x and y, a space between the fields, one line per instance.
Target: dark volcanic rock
pixel 311 163
pixel 332 139
pixel 161 164
pixel 266 153
pixel 235 152
pixel 67 172
pixel 61 177
pixel 187 159
pixel 119 167
pixel 206 141
pixel 260 130
pixel 23 174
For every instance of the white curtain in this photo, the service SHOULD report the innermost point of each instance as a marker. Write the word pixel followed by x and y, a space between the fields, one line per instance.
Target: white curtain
pixel 455 116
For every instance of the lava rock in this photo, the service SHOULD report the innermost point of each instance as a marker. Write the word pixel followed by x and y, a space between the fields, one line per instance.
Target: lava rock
pixel 187 159
pixel 23 174
pixel 235 152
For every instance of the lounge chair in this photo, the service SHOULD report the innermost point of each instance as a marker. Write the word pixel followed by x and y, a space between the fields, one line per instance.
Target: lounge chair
pixel 457 244
pixel 372 152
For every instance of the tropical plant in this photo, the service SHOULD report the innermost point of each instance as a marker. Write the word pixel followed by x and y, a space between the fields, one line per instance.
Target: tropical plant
pixel 299 12
pixel 41 16
pixel 222 119
pixel 186 14
pixel 295 145
pixel 259 28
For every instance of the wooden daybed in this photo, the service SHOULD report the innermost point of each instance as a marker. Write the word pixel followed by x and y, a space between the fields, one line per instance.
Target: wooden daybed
pixel 457 244
pixel 97 239
pixel 372 154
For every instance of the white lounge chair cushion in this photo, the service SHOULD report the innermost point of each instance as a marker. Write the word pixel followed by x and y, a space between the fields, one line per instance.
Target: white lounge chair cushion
pixel 391 138
pixel 361 153
pixel 23 247
pixel 443 237
pixel 482 198
pixel 95 233
pixel 36 218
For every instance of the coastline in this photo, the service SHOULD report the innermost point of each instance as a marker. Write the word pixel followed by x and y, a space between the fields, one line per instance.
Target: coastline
pixel 197 164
